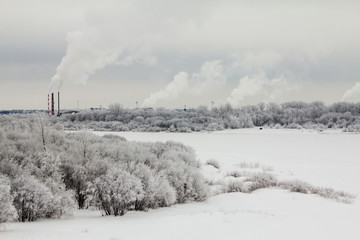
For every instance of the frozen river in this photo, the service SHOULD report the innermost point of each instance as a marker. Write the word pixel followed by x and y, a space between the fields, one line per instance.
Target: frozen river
pixel 329 159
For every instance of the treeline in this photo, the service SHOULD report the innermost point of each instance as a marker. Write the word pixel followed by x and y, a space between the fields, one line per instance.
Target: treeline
pixel 21 111
pixel 314 115
pixel 45 172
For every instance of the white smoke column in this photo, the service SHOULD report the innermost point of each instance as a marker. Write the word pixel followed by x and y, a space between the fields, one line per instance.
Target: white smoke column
pixel 171 91
pixel 85 54
pixel 122 33
pixel 258 86
pixel 211 76
pixel 353 94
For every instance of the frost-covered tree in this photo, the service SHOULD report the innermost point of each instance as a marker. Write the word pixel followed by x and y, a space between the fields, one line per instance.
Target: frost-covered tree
pixel 157 190
pixel 180 167
pixel 1 136
pixel 116 192
pixel 165 194
pixel 75 178
pixel 7 209
pixel 116 109
pixel 32 199
pixel 288 114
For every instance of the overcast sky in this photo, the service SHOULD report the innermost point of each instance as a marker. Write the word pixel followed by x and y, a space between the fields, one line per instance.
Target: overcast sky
pixel 174 53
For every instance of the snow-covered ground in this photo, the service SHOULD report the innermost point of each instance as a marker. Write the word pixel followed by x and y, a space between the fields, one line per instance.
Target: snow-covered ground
pixel 329 159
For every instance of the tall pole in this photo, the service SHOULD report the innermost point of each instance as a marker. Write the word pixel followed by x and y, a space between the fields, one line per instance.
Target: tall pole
pixel 58 104
pixel 52 104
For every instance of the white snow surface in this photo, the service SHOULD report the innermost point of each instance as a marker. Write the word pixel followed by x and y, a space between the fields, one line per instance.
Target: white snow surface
pixel 328 159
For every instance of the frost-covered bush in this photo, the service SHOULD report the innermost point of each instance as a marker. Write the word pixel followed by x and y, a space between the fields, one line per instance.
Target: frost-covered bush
pixel 7 209
pixel 235 174
pixel 214 163
pixel 236 186
pixel 354 127
pixel 297 186
pixel 261 180
pixel 112 136
pixel 158 191
pixel 1 136
pixel 50 171
pixel 32 199
pixel 189 186
pixel 63 202
pixel 75 178
pixel 181 169
pixel 306 188
pixel 249 165
pixel 116 192
pixel 165 194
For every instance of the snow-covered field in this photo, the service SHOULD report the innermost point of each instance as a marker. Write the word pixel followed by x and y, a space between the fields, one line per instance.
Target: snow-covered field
pixel 329 159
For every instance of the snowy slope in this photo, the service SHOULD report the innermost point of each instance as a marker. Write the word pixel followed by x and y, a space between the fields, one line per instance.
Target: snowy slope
pixel 264 214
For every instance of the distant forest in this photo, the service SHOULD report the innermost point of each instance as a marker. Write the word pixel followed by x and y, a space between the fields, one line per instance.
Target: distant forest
pixel 316 115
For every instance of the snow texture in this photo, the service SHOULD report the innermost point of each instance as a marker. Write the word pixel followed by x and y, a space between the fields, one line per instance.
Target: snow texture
pixel 326 159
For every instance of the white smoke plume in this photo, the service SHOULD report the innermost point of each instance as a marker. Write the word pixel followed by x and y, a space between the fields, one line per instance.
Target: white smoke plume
pixel 353 94
pixel 171 91
pixel 126 33
pixel 119 33
pixel 259 86
pixel 210 76
pixel 84 55
pixel 90 51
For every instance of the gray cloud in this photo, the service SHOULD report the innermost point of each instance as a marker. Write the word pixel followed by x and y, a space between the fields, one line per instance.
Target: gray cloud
pixel 312 41
pixel 140 29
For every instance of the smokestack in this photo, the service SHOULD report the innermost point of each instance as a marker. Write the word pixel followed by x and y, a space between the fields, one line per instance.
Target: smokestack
pixel 48 104
pixel 52 104
pixel 58 104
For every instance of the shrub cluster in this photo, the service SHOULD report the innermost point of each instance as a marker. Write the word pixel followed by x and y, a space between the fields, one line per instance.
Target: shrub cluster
pixel 45 172
pixel 214 163
pixel 265 180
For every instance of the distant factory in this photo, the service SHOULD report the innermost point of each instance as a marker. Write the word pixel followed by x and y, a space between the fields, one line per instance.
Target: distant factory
pixel 52 112
pixel 51 106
